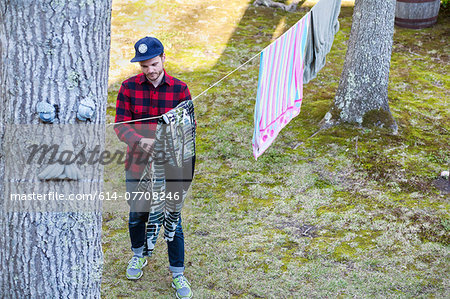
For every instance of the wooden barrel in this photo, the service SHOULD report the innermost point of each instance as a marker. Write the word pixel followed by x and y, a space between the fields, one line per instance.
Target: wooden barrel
pixel 416 14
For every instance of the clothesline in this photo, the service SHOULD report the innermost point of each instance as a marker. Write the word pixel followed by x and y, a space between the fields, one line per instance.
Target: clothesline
pixel 223 78
pixel 288 63
pixel 277 104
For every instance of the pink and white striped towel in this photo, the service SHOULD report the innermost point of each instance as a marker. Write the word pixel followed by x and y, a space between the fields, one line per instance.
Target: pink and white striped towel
pixel 280 85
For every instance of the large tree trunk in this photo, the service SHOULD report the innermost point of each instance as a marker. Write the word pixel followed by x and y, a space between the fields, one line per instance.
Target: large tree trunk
pixel 58 52
pixel 362 95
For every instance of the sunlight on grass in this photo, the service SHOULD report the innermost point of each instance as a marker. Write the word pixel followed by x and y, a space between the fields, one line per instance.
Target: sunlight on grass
pixel 194 33
pixel 281 28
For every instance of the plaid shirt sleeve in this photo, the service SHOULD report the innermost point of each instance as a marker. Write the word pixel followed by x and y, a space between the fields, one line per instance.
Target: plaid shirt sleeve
pixel 125 132
pixel 186 95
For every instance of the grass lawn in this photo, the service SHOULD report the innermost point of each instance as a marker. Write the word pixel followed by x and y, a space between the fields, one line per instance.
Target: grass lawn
pixel 349 212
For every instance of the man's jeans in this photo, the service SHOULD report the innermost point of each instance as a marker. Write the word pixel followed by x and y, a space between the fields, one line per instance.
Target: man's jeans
pixel 137 226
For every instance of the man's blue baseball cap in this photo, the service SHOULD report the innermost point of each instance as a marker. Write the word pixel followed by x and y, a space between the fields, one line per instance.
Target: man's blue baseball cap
pixel 147 48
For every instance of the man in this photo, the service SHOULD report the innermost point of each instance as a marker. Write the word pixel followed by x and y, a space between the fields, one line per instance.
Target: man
pixel 149 94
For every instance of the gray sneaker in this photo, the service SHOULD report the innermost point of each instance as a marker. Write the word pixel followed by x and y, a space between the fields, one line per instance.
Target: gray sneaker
pixel 182 287
pixel 135 265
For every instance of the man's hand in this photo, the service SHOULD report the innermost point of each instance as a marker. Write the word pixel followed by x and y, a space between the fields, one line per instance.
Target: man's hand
pixel 147 144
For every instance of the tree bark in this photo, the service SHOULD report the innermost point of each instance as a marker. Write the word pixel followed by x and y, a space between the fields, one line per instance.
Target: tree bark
pixel 57 52
pixel 362 95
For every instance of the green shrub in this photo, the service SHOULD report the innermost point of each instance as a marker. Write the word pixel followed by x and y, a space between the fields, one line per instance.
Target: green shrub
pixel 445 3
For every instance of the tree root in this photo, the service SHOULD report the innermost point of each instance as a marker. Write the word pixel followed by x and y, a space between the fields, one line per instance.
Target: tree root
pixel 269 3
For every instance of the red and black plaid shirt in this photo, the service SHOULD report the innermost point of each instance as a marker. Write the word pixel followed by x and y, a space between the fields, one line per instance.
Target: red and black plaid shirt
pixel 138 99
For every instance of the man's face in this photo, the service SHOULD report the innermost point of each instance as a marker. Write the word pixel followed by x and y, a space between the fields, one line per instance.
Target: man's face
pixel 152 68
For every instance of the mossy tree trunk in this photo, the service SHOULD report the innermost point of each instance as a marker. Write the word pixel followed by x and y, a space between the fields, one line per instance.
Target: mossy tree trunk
pixel 362 95
pixel 57 52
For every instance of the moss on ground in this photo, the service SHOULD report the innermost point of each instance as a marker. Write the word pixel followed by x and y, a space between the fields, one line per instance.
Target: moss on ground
pixel 347 212
pixel 379 118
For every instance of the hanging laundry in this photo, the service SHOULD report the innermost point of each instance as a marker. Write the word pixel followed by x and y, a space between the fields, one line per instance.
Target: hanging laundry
pixel 280 85
pixel 169 172
pixel 324 26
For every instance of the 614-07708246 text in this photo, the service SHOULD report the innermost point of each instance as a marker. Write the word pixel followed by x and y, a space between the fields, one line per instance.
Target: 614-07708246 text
pixel 106 196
